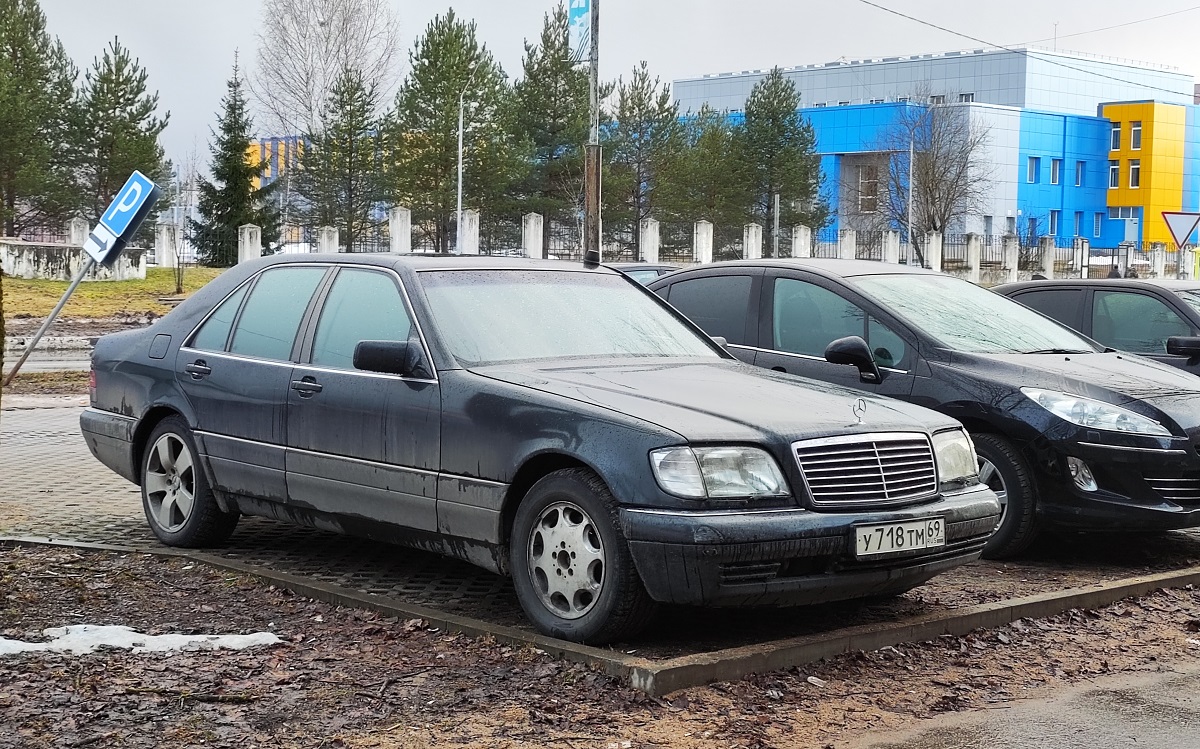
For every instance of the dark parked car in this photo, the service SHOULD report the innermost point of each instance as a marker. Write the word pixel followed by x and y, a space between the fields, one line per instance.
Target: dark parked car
pixel 545 420
pixel 1155 318
pixel 643 272
pixel 1067 434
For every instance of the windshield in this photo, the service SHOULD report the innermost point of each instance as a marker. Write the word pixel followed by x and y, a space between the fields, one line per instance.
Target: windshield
pixel 1191 297
pixel 489 316
pixel 965 317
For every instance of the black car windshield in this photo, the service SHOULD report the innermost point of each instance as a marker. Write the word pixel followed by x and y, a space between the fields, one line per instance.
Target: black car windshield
pixel 489 316
pixel 1191 297
pixel 965 317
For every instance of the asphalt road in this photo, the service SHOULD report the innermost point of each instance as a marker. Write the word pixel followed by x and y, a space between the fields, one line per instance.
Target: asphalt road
pixel 1158 710
pixel 51 361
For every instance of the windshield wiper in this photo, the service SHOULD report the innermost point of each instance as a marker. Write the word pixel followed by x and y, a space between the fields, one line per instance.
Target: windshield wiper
pixel 1060 351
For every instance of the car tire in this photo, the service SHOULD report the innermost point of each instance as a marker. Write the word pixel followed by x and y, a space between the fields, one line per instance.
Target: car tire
pixel 178 502
pixel 1005 471
pixel 588 590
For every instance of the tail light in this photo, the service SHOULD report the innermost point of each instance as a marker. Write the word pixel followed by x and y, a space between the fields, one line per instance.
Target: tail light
pixel 92 386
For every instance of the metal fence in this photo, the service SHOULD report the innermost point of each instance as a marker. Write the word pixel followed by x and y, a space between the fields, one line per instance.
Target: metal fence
pixel 954 250
pixel 727 242
pixel 868 245
pixel 44 235
pixel 825 242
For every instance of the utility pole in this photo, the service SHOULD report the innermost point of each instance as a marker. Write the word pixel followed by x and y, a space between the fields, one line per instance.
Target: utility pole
pixel 591 171
pixel 775 229
pixel 912 180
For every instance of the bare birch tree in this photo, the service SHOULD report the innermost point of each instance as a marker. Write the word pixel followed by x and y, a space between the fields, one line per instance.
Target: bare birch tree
pixel 303 47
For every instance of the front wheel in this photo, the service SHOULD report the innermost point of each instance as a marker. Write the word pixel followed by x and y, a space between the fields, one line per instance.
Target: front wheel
pixel 1005 471
pixel 176 498
pixel 572 570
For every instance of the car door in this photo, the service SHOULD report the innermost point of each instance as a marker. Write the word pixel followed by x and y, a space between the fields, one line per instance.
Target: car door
pixel 234 371
pixel 1139 322
pixel 722 305
pixel 363 445
pixel 800 315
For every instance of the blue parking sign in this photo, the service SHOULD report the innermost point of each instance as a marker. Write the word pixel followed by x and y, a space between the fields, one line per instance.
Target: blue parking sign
pixel 121 220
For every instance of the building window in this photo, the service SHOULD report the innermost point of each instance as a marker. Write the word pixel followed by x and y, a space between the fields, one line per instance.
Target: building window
pixel 1097 224
pixel 1115 144
pixel 878 101
pixel 868 188
pixel 1035 166
pixel 1122 212
pixel 1114 174
pixel 987 226
pixel 1054 223
pixel 1078 223
pixel 966 98
pixel 822 104
pixel 1135 136
pixel 1031 230
pixel 1055 171
pixel 1080 168
pixel 937 99
pixel 843 103
pixel 1135 172
pixel 1010 225
pixel 903 99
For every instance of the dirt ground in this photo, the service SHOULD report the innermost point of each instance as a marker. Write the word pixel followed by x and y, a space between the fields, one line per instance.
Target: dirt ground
pixel 82 327
pixel 349 678
pixel 49 383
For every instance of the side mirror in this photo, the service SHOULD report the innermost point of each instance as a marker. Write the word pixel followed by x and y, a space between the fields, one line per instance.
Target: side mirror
pixel 1183 345
pixel 720 341
pixel 854 351
pixel 386 357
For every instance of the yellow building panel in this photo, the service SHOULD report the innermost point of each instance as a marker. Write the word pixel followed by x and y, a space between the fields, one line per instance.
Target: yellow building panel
pixel 1162 162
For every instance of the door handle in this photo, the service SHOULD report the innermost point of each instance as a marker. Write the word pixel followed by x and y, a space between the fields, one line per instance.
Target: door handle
pixel 779 369
pixel 306 387
pixel 198 369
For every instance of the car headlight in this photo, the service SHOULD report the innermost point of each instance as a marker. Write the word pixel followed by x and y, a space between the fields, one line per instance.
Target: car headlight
pixel 956 461
pixel 717 472
pixel 1095 414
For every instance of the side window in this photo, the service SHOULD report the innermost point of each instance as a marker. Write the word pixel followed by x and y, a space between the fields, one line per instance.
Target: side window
pixel 1133 322
pixel 1063 305
pixel 271 318
pixel 362 306
pixel 719 304
pixel 806 318
pixel 214 333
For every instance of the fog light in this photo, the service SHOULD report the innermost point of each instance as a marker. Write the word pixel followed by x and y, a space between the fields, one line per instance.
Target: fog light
pixel 1082 475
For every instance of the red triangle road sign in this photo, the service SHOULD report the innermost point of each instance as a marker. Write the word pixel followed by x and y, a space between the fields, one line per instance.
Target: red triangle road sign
pixel 1181 225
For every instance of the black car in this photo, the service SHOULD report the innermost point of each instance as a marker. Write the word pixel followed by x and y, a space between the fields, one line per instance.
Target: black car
pixel 1156 318
pixel 643 273
pixel 540 419
pixel 1067 434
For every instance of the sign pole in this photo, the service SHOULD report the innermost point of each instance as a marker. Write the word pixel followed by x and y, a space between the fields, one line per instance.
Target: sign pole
pixel 83 271
pixel 592 154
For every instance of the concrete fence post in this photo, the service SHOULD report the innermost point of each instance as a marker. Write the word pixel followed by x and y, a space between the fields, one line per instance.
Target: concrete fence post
pixel 847 244
pixel 702 242
pixel 1046 253
pixel 531 235
pixel 648 237
pixel 752 242
pixel 891 247
pixel 1011 246
pixel 249 242
pixel 77 231
pixel 400 229
pixel 328 239
pixel 801 241
pixel 468 243
pixel 1187 263
pixel 974 258
pixel 1085 258
pixel 933 250
pixel 165 255
pixel 1158 259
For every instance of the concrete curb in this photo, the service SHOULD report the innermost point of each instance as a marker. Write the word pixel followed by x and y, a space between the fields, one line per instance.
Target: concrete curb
pixel 657 678
pixel 17 344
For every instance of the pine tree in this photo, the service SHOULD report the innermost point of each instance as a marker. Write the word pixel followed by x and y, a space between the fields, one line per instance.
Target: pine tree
pixel 36 91
pixel 644 136
pixel 340 181
pixel 552 117
pixel 779 147
pixel 234 196
pixel 707 180
pixel 445 63
pixel 117 130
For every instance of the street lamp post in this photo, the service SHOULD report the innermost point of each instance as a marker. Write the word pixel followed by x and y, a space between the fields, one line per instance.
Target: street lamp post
pixel 461 102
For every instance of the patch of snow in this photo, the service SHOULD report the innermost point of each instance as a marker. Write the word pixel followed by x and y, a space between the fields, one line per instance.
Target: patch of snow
pixel 86 638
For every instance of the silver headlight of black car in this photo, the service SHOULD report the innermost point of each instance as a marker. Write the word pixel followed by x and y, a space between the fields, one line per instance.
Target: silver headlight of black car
pixel 1094 414
pixel 717 472
pixel 956 460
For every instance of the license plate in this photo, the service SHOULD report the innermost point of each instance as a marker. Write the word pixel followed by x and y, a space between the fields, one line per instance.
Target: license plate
pixel 885 539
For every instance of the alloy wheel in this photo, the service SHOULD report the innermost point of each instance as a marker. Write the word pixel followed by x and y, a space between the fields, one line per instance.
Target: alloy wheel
pixel 991 478
pixel 566 560
pixel 170 481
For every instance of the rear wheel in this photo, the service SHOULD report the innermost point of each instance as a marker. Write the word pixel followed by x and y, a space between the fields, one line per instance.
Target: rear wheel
pixel 176 498
pixel 572 570
pixel 1003 469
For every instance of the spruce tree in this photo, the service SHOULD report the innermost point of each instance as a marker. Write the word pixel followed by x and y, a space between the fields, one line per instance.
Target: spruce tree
pixel 36 91
pixel 551 116
pixel 117 130
pixel 340 181
pixel 779 147
pixel 234 197
pixel 448 61
pixel 707 180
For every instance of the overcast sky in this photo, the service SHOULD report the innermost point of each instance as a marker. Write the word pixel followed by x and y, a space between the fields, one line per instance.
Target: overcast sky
pixel 188 46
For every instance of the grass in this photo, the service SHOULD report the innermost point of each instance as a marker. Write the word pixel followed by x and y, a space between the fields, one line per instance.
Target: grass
pixel 36 297
pixel 49 383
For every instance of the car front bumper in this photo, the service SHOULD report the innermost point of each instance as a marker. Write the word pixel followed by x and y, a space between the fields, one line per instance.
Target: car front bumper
pixel 110 438
pixel 788 557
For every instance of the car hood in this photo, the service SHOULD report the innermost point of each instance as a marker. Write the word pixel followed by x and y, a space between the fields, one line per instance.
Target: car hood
pixel 1142 385
pixel 719 399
